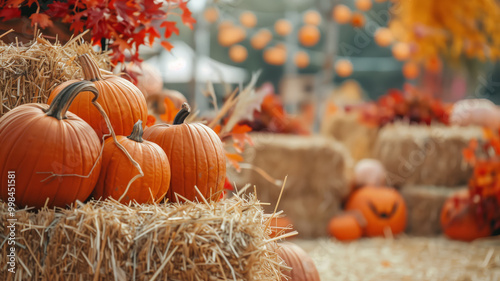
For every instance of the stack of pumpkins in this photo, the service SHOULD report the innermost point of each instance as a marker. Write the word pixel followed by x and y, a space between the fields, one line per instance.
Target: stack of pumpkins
pixel 90 140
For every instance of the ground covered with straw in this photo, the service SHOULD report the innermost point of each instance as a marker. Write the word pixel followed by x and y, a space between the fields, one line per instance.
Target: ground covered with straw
pixel 227 240
pixel 405 258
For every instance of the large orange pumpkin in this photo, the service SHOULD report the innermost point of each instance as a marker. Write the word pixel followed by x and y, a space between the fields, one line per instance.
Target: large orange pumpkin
pixel 38 140
pixel 346 227
pixel 196 156
pixel 117 170
pixel 123 102
pixel 303 267
pixel 382 207
pixel 458 220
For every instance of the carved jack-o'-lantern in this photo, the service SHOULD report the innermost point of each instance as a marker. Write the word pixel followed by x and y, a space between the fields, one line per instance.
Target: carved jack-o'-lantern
pixel 383 208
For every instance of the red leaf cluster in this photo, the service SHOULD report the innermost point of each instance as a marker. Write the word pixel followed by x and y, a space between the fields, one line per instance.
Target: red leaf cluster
pixel 128 24
pixel 409 105
pixel 484 185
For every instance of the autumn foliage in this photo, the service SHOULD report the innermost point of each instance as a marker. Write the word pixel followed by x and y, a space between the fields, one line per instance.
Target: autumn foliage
pixel 128 24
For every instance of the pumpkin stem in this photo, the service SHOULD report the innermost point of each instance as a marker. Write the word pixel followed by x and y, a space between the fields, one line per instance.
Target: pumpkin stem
pixel 91 71
pixel 63 100
pixel 182 114
pixel 137 132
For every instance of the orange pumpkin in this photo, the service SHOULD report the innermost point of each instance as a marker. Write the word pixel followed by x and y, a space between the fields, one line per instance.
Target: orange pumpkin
pixel 37 140
pixel 345 227
pixel 156 101
pixel 303 267
pixel 382 207
pixel 123 102
pixel 149 80
pixel 458 220
pixel 280 225
pixel 117 170
pixel 196 156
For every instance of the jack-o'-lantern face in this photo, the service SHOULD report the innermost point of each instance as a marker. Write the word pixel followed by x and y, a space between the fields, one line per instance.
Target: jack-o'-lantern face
pixel 382 208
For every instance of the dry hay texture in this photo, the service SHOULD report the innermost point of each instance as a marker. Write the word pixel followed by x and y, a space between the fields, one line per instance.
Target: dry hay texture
pixel 347 129
pixel 424 208
pixel 405 259
pixel 425 155
pixel 317 170
pixel 28 73
pixel 227 240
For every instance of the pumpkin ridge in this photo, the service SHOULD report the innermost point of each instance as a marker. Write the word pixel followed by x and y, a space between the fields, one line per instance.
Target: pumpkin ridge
pixel 32 123
pixel 170 157
pixel 207 180
pixel 216 166
pixel 218 157
pixel 150 151
pixel 189 136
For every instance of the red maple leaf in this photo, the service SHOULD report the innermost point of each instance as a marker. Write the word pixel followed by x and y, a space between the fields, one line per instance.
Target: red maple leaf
pixel 10 13
pixel 167 45
pixel 58 9
pixel 170 27
pixel 187 18
pixel 42 20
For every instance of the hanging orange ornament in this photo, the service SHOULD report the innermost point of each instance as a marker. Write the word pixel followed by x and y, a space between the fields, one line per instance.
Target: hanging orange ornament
pixel 383 37
pixel 238 53
pixel 363 5
pixel 301 59
pixel 261 39
pixel 275 56
pixel 312 17
pixel 341 14
pixel 401 51
pixel 309 35
pixel 411 70
pixel 231 35
pixel 225 24
pixel 343 68
pixel 211 14
pixel 283 27
pixel 357 20
pixel 248 19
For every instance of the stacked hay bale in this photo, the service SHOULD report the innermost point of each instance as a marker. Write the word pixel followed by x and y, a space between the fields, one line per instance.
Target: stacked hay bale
pixel 317 170
pixel 29 73
pixel 346 128
pixel 227 240
pixel 427 163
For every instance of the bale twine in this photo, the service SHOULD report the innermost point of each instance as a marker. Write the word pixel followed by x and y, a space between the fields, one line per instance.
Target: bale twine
pixel 105 240
pixel 29 73
pixel 425 155
pixel 317 170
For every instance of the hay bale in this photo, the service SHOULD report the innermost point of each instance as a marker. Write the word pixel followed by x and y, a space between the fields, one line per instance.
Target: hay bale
pixel 424 208
pixel 347 129
pixel 29 73
pixel 110 241
pixel 317 178
pixel 425 155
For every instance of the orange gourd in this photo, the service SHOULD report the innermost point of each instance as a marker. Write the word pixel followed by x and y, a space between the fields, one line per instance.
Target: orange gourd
pixel 382 207
pixel 123 102
pixel 303 267
pixel 196 156
pixel 458 220
pixel 117 171
pixel 38 140
pixel 345 227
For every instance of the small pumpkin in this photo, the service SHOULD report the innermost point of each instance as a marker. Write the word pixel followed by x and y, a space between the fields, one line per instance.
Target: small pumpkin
pixel 156 101
pixel 382 207
pixel 39 141
pixel 346 227
pixel 123 102
pixel 303 267
pixel 196 156
pixel 117 171
pixel 458 220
